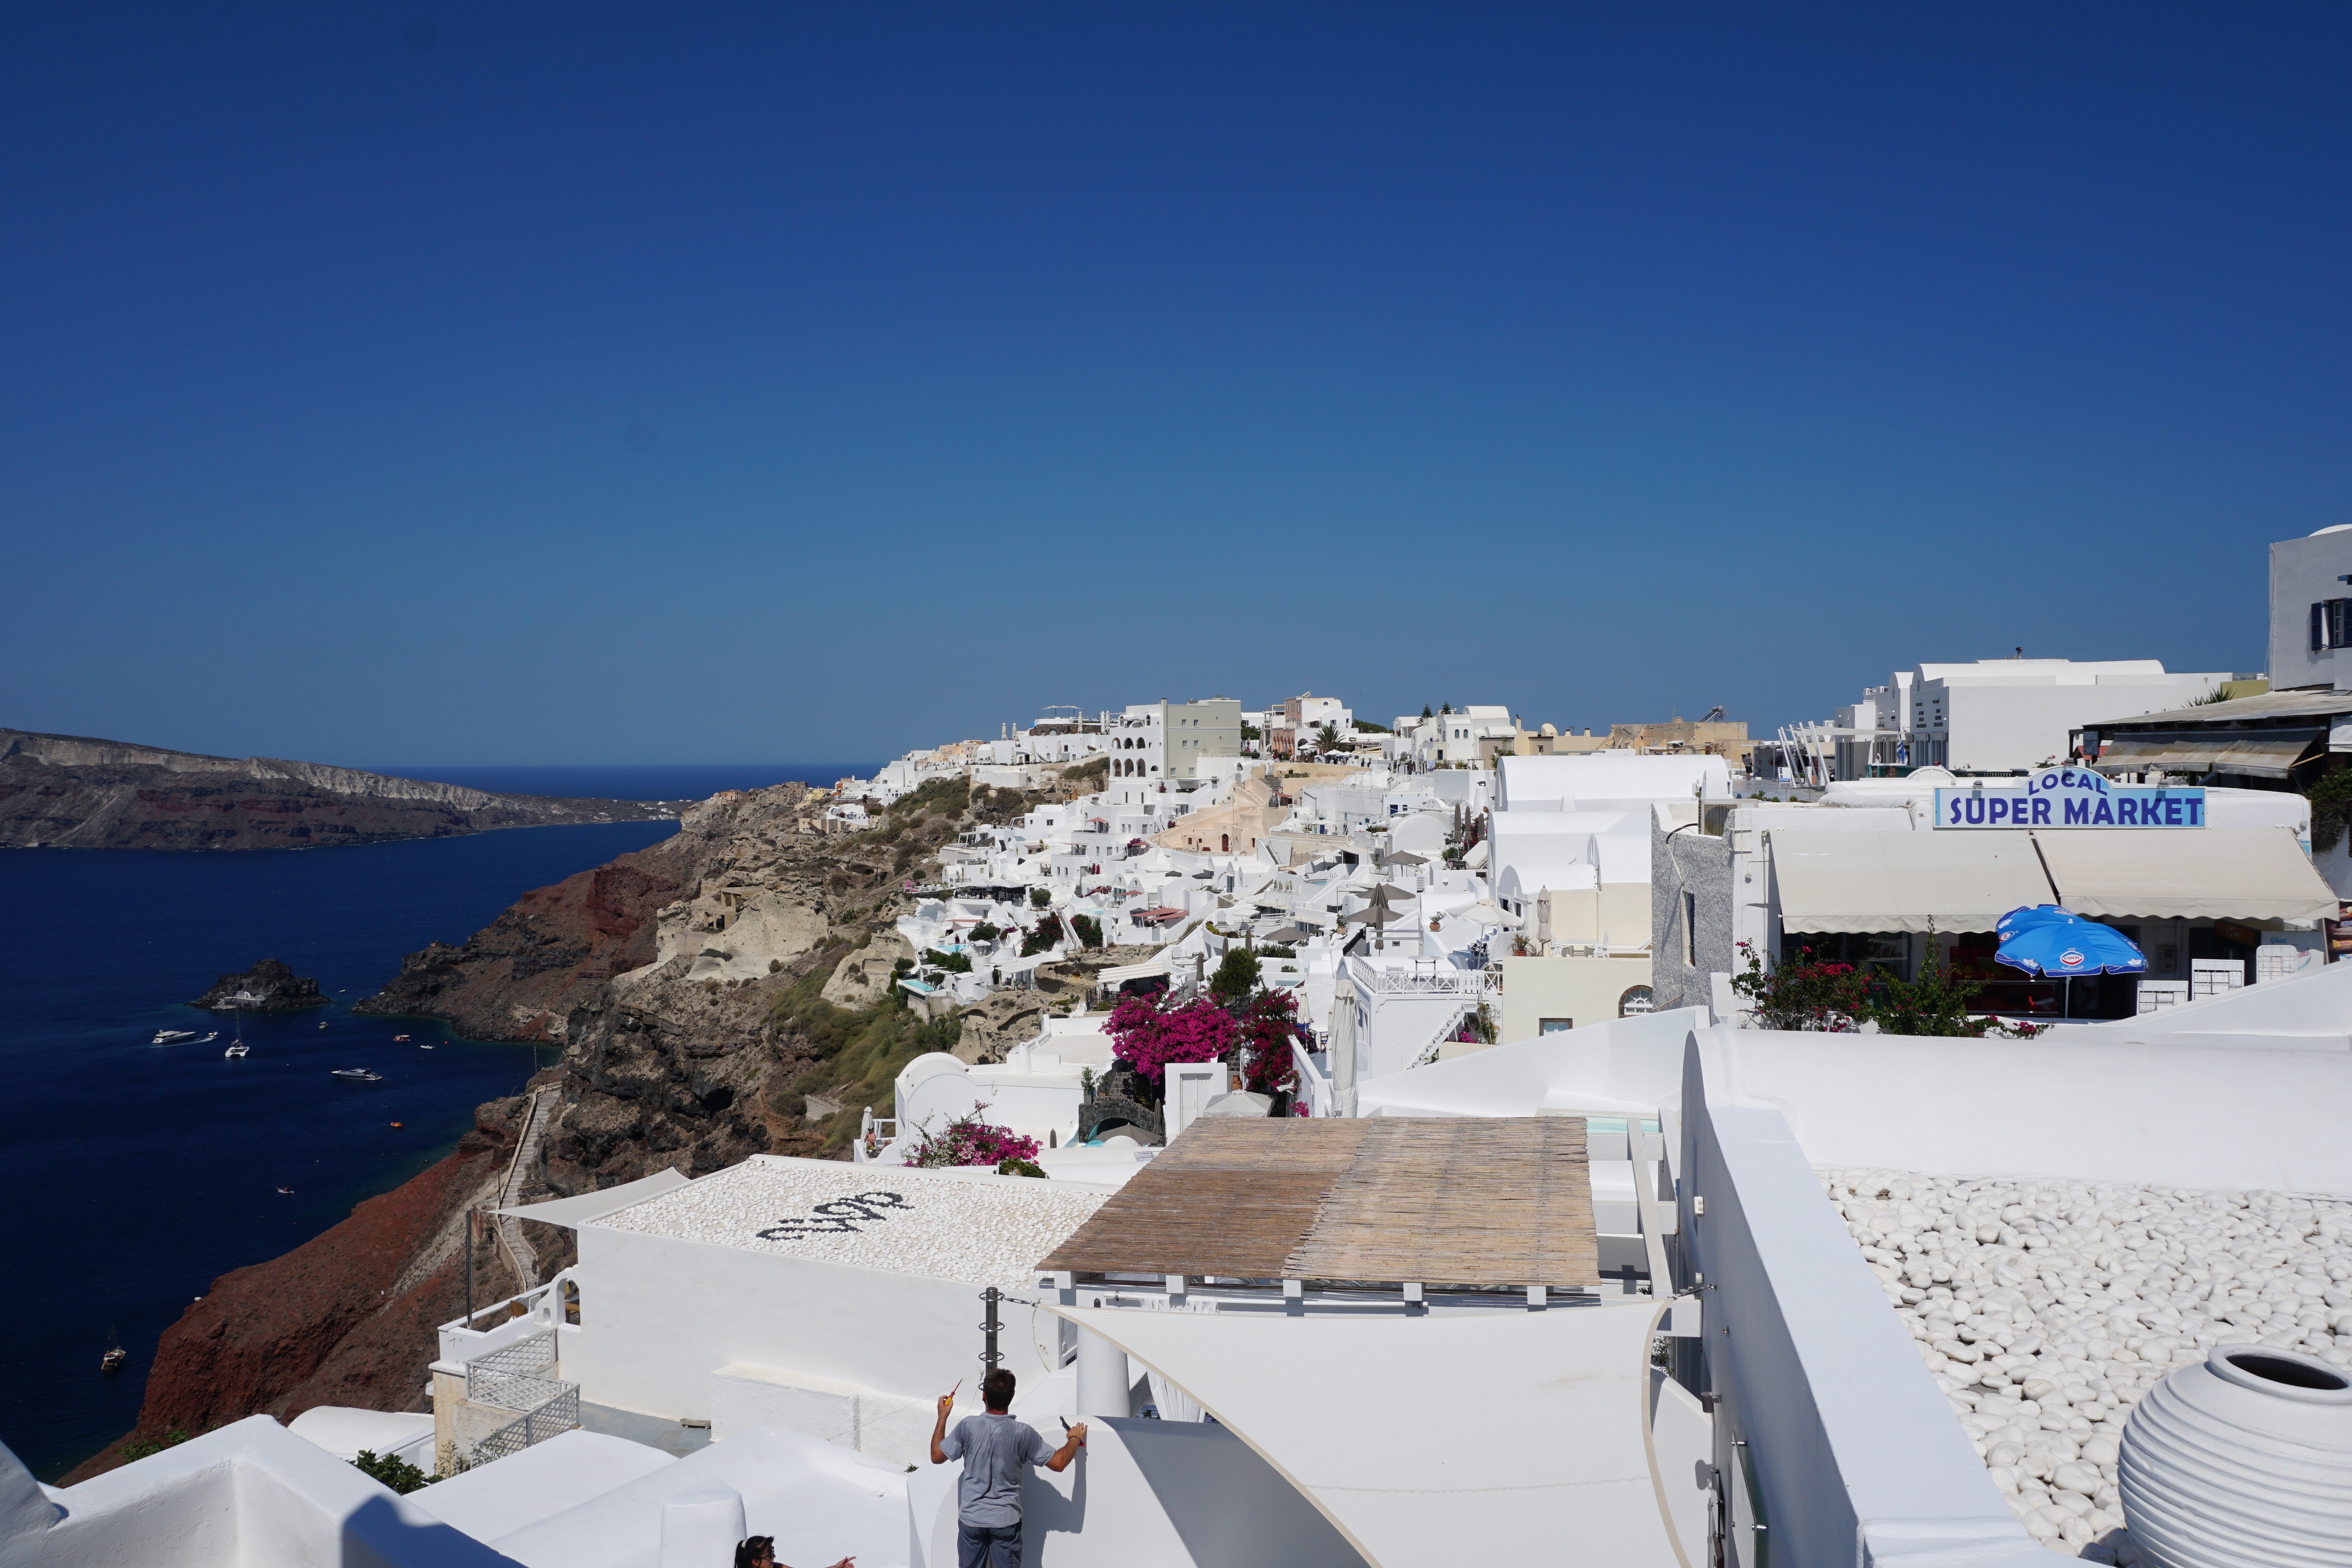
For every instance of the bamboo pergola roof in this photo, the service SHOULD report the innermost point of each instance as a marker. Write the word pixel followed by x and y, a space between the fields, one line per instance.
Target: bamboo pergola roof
pixel 1495 1202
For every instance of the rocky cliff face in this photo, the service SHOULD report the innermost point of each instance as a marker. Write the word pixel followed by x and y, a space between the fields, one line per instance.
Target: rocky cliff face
pixel 688 985
pixel 66 791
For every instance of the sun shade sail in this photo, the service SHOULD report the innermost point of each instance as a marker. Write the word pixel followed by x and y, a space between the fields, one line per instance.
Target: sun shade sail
pixel 593 1205
pixel 1509 1438
pixel 2219 874
pixel 1831 881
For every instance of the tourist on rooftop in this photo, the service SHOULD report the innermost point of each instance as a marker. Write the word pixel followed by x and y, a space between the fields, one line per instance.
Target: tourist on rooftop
pixel 760 1551
pixel 995 1450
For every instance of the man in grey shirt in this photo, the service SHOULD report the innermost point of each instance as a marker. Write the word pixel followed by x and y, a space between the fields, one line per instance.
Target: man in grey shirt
pixel 997 1452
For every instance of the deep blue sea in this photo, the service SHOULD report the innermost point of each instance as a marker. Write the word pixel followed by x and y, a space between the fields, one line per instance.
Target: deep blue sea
pixel 137 1174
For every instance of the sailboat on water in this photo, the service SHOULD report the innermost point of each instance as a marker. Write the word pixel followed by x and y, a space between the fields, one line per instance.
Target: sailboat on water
pixel 115 1354
pixel 238 1000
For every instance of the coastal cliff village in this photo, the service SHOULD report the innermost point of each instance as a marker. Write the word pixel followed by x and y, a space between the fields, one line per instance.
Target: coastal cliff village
pixel 1913 1137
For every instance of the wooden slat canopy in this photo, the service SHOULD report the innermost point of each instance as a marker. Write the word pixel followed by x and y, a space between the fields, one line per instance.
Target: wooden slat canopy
pixel 1498 1202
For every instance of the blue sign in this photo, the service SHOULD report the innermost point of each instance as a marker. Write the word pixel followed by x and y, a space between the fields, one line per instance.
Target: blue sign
pixel 2070 798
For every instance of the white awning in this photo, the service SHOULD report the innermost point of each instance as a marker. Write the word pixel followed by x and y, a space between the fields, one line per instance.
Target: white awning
pixel 1483 1437
pixel 2216 873
pixel 1832 881
pixel 593 1205
pixel 1119 973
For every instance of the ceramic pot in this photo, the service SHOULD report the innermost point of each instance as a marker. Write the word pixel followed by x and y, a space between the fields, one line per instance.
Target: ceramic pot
pixel 2242 1461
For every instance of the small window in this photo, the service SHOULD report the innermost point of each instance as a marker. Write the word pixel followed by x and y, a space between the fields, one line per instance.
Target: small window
pixel 1555 1026
pixel 2331 624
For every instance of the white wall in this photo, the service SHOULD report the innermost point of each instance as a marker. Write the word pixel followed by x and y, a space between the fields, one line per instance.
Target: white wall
pixel 1149 1494
pixel 2303 572
pixel 2175 1115
pixel 1854 1447
pixel 249 1493
pixel 659 1316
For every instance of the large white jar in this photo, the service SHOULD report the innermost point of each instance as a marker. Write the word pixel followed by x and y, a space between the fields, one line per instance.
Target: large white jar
pixel 2242 1461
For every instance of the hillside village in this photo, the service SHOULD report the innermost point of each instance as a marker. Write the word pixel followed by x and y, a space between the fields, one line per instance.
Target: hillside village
pixel 1899 1135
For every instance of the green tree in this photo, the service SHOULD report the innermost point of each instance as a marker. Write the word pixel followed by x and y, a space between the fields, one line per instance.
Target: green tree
pixel 1237 977
pixel 1326 736
pixel 2331 807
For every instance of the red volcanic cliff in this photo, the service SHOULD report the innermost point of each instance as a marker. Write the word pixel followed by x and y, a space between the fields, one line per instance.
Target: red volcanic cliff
pixel 347 1318
pixel 518 978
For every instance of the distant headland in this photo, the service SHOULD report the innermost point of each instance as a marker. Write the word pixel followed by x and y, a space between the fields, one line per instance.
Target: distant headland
pixel 66 791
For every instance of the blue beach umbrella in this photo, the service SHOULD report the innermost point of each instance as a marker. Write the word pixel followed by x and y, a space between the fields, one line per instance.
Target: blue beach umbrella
pixel 2057 944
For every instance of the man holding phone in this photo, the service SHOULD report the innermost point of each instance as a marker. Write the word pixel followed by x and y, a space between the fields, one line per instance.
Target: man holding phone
pixel 996 1451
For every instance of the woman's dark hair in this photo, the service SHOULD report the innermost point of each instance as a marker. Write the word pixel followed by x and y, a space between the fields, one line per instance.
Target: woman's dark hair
pixel 996 1389
pixel 752 1552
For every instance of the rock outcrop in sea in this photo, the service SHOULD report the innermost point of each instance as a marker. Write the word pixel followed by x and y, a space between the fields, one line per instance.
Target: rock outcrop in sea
pixel 269 987
pixel 66 791
pixel 716 996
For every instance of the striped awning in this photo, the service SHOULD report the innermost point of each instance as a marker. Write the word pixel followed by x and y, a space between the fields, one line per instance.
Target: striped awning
pixel 2261 753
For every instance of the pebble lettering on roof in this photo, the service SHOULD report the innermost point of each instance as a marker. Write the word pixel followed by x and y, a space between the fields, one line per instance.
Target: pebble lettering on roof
pixel 875 1217
pixel 2046 1308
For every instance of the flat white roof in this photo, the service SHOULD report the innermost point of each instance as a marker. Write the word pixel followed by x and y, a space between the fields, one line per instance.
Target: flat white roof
pixel 939 1225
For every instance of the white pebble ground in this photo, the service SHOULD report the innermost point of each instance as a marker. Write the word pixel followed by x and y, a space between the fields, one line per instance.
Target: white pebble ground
pixel 949 1228
pixel 2046 1308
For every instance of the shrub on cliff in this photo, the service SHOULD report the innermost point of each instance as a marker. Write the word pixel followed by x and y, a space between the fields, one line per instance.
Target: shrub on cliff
pixel 952 963
pixel 947 796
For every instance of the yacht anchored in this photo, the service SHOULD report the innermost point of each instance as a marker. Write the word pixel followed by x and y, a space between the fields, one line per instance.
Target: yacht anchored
pixel 172 1036
pixel 356 1075
pixel 239 1049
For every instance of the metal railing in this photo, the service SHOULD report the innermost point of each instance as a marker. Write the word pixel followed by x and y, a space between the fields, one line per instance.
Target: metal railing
pixel 1439 981
pixel 515 1377
pixel 559 1414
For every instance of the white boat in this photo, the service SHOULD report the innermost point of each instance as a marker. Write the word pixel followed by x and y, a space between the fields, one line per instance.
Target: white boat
pixel 172 1036
pixel 235 1051
pixel 356 1075
pixel 210 1038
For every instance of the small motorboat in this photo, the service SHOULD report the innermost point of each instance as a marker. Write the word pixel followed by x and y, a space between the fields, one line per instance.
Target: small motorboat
pixel 423 1047
pixel 396 1123
pixel 356 1075
pixel 322 1023
pixel 210 1038
pixel 234 1052
pixel 172 1036
pixel 398 1038
pixel 115 1354
pixel 287 1190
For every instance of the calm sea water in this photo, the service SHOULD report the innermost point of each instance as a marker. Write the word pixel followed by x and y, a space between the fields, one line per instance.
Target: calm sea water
pixel 137 1173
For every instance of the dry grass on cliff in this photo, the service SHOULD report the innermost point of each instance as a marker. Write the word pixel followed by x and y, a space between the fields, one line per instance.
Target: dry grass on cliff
pixel 858 1053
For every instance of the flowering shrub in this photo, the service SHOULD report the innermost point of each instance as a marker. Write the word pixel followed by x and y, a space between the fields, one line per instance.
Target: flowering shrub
pixel 1269 1023
pixel 1048 933
pixel 1837 998
pixel 1148 1038
pixel 969 1141
pixel 1829 999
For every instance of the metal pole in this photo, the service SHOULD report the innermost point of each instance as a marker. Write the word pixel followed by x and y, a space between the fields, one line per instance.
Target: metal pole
pixel 469 1269
pixel 989 1355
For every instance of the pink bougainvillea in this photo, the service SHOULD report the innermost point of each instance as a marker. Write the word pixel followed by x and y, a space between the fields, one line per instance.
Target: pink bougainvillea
pixel 1148 1038
pixel 1269 1024
pixel 969 1141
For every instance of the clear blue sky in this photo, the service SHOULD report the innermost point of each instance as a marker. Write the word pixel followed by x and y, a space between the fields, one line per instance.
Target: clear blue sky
pixel 664 384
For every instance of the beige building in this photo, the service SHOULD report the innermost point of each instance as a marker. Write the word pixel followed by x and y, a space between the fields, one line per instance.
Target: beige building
pixel 1253 810
pixel 1716 737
